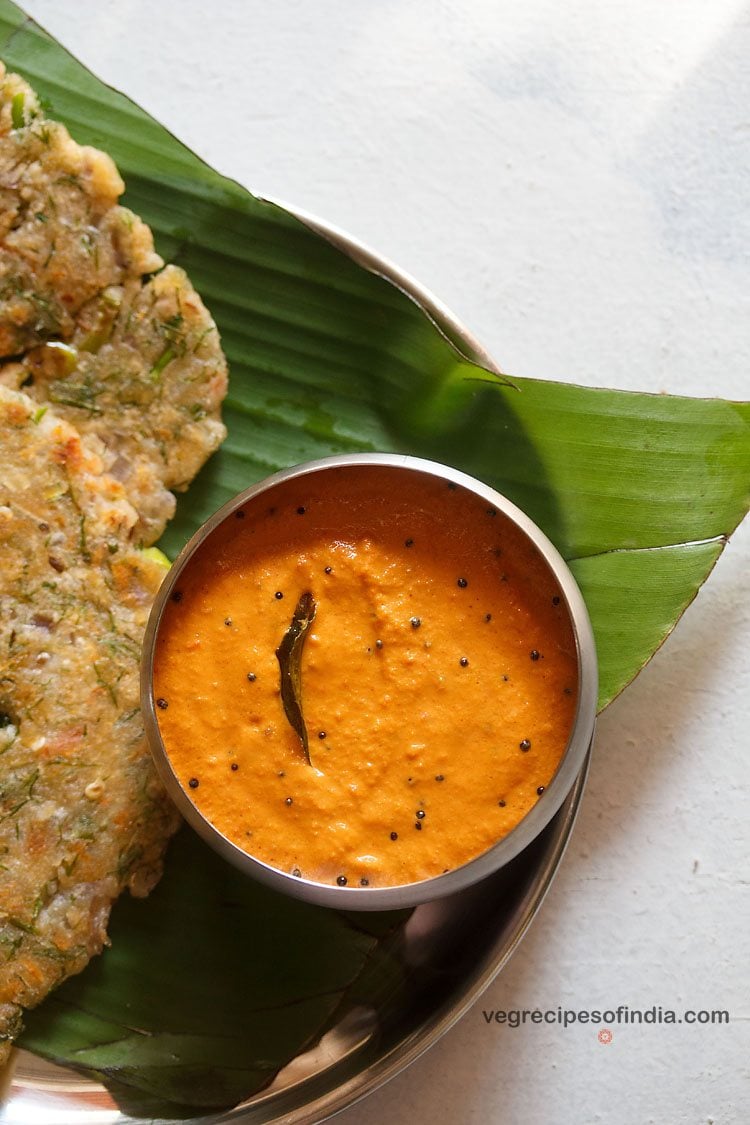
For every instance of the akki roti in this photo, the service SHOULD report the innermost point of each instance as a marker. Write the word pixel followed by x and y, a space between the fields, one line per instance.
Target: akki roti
pixel 111 383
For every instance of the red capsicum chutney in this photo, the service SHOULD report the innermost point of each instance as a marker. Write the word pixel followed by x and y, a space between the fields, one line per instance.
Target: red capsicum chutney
pixel 366 677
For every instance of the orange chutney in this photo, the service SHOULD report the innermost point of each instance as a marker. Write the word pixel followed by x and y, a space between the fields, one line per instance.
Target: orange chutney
pixel 439 676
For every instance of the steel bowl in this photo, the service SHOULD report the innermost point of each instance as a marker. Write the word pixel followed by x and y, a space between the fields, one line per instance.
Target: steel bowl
pixel 507 848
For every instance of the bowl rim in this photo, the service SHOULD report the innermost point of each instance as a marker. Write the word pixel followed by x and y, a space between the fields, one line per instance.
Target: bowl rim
pixel 508 847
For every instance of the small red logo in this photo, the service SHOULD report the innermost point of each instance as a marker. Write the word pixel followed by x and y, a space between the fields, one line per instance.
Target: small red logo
pixel 605 1035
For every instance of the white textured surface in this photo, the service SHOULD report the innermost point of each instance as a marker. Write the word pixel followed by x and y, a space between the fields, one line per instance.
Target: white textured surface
pixel 573 179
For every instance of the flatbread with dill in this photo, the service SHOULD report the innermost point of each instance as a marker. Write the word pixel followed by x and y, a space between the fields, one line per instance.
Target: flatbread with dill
pixel 82 815
pixel 123 379
pixel 134 362
pixel 63 238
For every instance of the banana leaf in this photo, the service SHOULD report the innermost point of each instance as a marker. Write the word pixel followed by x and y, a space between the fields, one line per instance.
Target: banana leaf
pixel 212 985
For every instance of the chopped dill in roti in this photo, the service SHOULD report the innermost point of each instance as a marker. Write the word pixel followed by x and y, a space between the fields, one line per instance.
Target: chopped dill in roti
pixel 111 384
